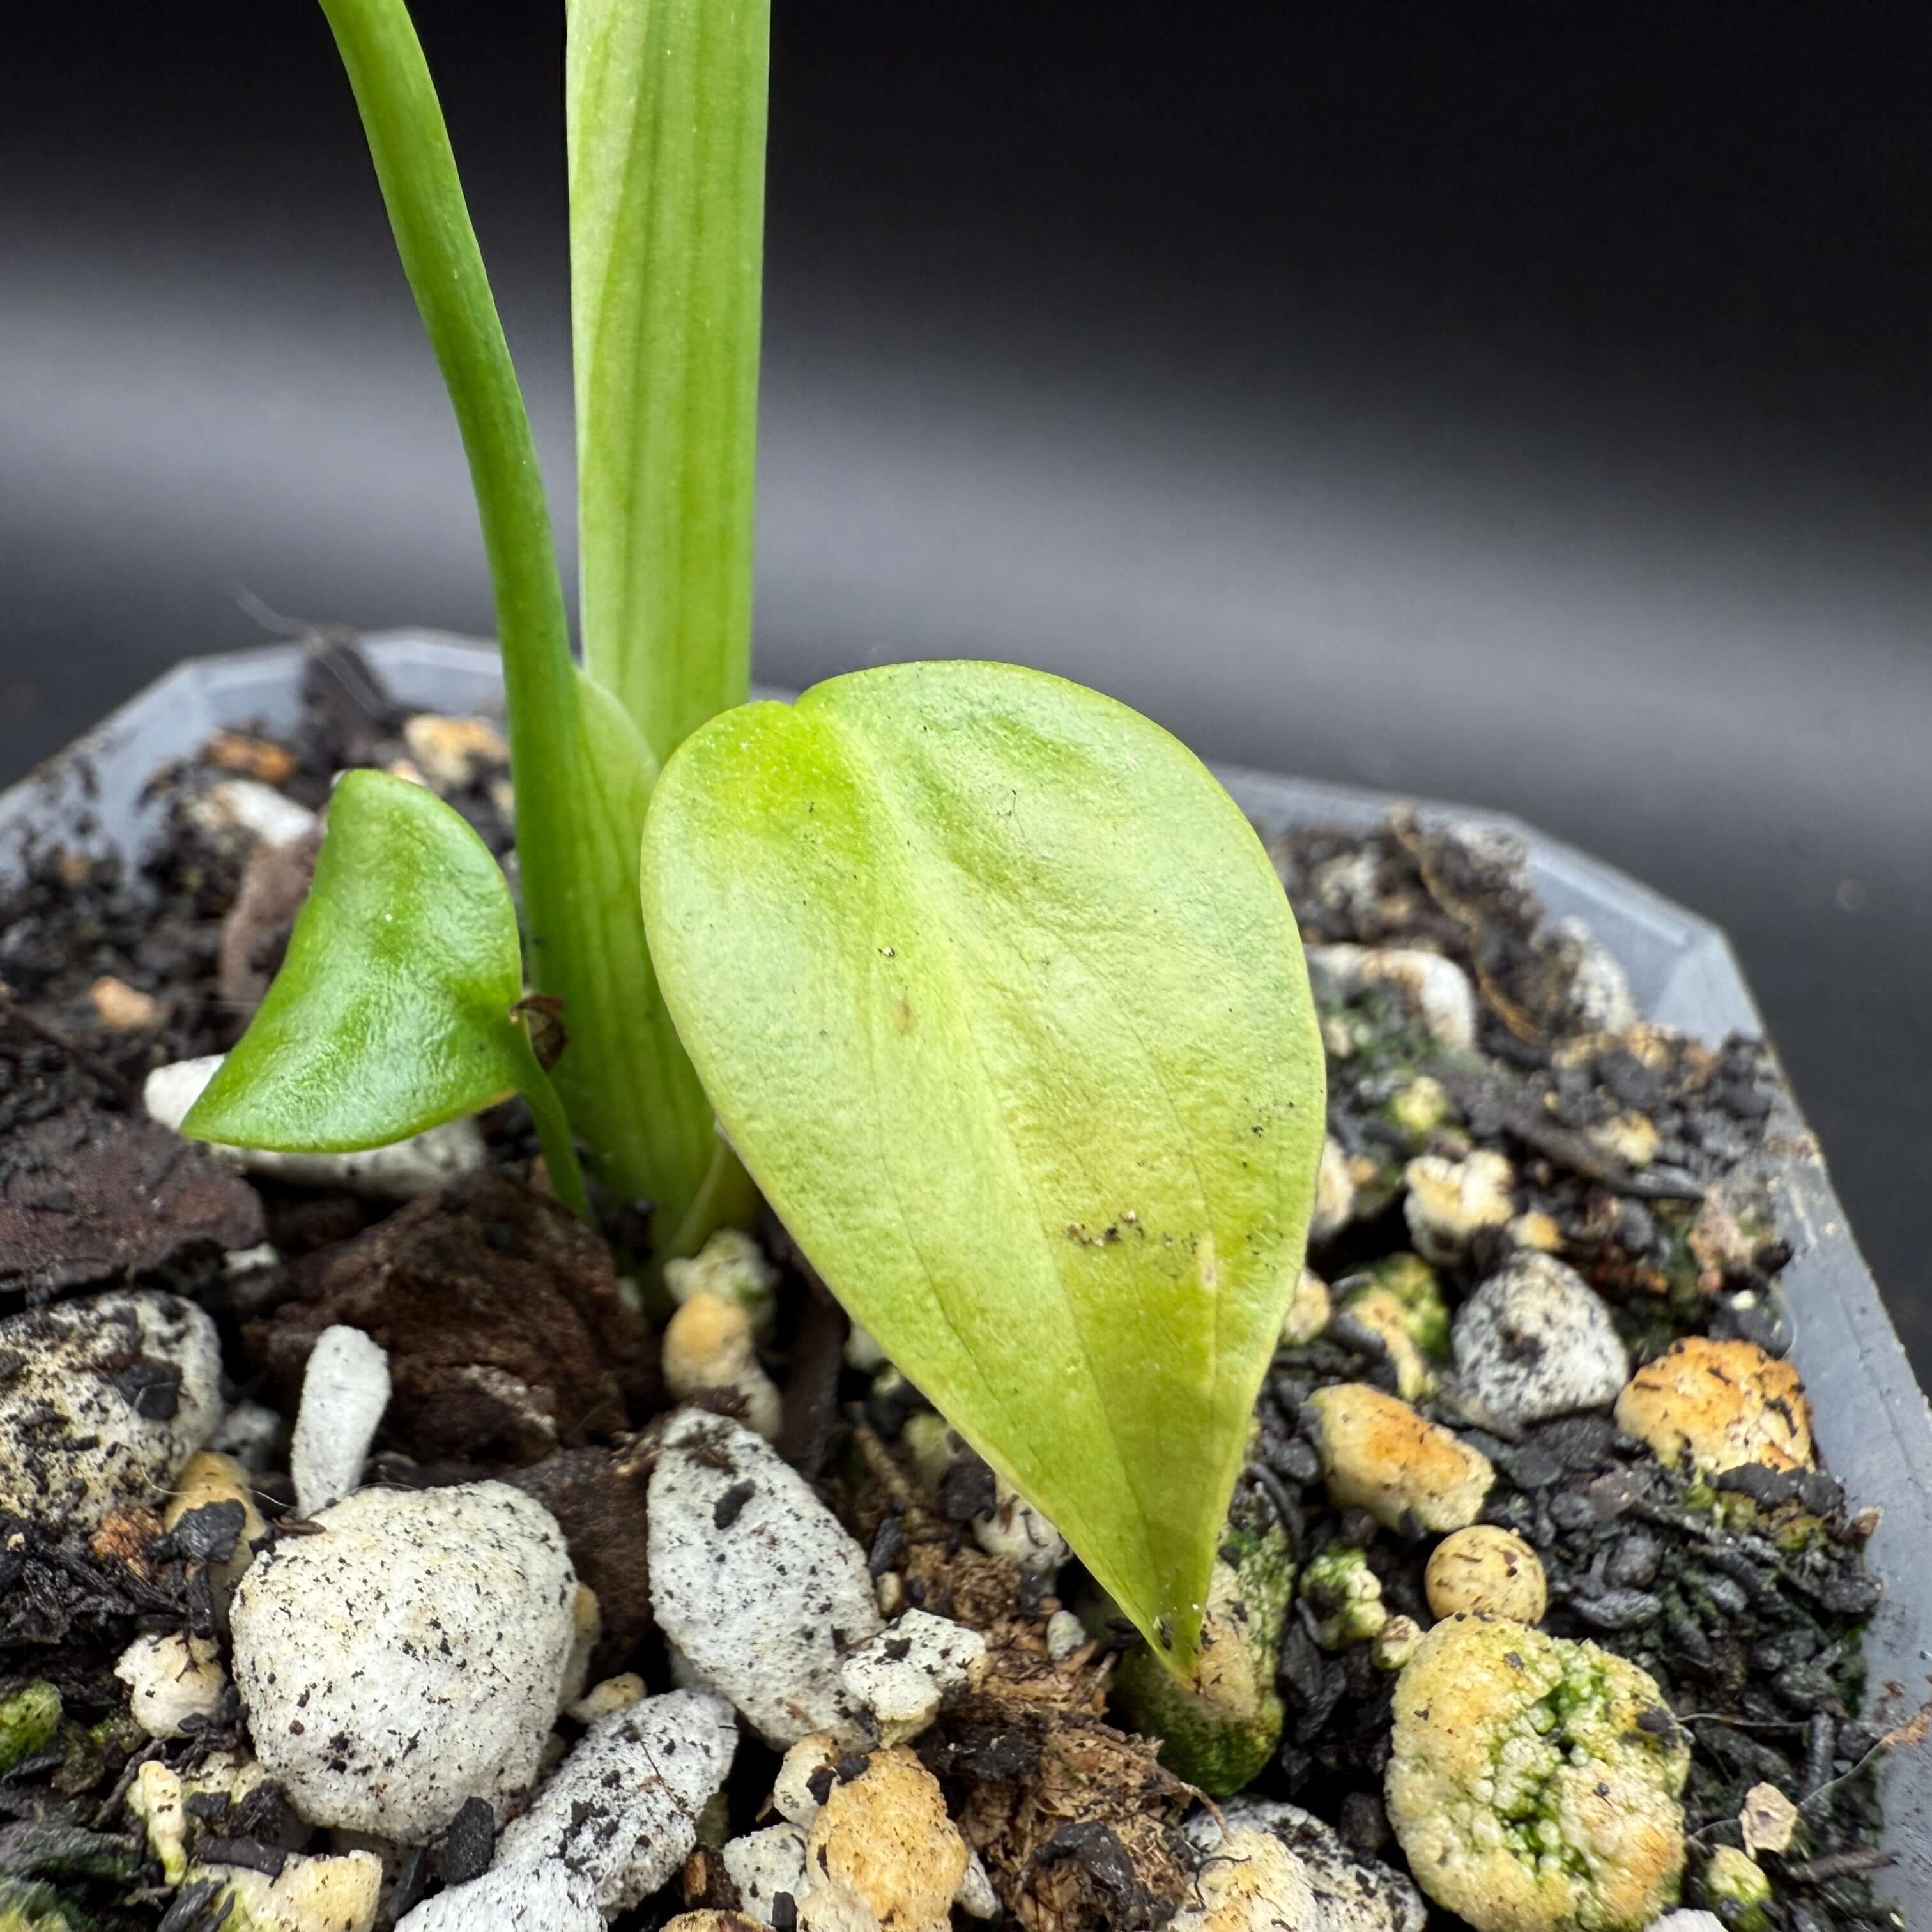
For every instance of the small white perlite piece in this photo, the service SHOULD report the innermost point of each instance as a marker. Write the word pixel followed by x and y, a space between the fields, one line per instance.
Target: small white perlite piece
pixel 345 1390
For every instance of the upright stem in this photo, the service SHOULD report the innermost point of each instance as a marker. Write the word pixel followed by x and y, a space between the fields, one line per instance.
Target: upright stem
pixel 409 146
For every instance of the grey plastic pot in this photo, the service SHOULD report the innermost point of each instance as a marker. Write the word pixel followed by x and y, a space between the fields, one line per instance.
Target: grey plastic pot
pixel 1873 1421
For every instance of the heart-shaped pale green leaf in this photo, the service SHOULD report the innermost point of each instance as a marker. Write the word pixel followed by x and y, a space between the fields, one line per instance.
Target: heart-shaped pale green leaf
pixel 392 1011
pixel 1001 1003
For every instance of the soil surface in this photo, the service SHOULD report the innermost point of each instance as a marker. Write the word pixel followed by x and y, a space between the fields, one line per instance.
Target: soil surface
pixel 1632 1155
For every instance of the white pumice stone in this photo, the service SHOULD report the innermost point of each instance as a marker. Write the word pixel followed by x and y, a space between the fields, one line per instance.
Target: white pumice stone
pixel 1629 1137
pixel 1450 1202
pixel 1436 990
pixel 1379 1454
pixel 685 1675
pixel 932 1443
pixel 1065 1634
pixel 252 1279
pixel 766 1866
pixel 1687 1920
pixel 248 809
pixel 1014 1528
pixel 547 1898
pixel 976 1897
pixel 1383 1316
pixel 1252 1883
pixel 408 1657
pixel 587 1624
pixel 1769 1820
pixel 159 1797
pixel 1600 993
pixel 1395 1643
pixel 902 1678
pixel 622 1809
pixel 1727 1402
pixel 345 1390
pixel 754 1581
pixel 418 1165
pixel 103 1400
pixel 1536 1341
pixel 862 1352
pixel 1535 1229
pixel 170 1680
pixel 252 1432
pixel 792 1795
pixel 169 1091
pixel 156 1799
pixel 398 1172
pixel 1310 1310
pixel 1485 1567
pixel 1352 1893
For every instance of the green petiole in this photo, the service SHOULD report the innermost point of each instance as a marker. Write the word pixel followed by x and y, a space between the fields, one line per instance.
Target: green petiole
pixel 554 1136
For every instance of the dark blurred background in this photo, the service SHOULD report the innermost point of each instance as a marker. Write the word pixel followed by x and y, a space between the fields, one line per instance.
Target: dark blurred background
pixel 1526 405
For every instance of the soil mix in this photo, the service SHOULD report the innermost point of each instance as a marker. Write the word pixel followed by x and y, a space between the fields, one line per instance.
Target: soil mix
pixel 516 1352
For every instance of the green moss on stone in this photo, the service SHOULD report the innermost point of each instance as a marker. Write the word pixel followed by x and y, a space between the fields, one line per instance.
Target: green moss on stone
pixel 1413 1283
pixel 1734 1886
pixel 1345 1595
pixel 27 1906
pixel 28 1719
pixel 1220 1731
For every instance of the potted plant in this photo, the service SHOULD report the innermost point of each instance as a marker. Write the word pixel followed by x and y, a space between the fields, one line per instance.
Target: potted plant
pixel 978 998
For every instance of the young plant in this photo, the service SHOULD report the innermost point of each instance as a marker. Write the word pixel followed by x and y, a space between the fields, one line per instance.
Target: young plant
pixel 990 984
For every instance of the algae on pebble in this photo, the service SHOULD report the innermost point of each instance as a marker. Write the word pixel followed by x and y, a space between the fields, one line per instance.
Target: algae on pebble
pixel 1412 1284
pixel 1737 1888
pixel 27 1905
pixel 28 1719
pixel 1219 1731
pixel 1345 1595
pixel 1536 1784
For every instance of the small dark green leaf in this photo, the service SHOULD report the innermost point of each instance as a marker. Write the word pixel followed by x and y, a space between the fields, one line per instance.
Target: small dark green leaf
pixel 1001 1003
pixel 392 1011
